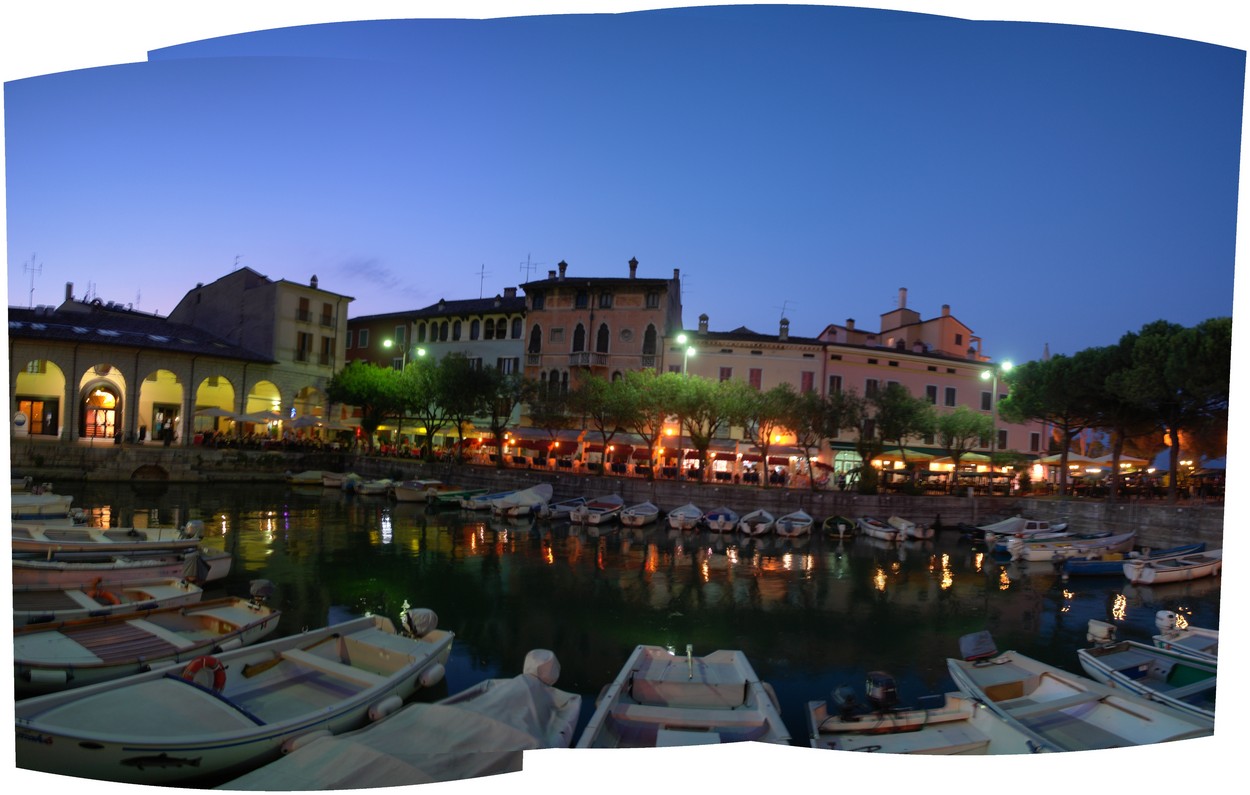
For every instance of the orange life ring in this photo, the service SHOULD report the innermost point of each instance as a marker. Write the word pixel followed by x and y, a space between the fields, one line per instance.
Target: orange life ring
pixel 101 595
pixel 211 663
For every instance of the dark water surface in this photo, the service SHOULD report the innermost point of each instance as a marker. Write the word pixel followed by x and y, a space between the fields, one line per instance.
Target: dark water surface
pixel 811 614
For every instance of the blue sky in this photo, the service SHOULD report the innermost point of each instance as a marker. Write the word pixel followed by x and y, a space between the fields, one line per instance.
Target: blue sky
pixel 802 160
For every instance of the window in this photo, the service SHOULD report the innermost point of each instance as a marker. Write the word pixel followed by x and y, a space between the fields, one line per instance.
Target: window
pixel 349 340
pixel 489 332
pixel 1035 442
pixel 517 327
pixel 602 339
pixel 648 341
pixel 327 315
pixel 930 393
pixel 835 384
pixel 807 380
pixel 726 373
pixel 869 429
pixel 475 328
pixel 1002 439
pixel 327 350
pixel 507 364
pixel 442 331
pixel 304 312
pixel 475 363
pixel 420 332
pixel 605 300
pixel 455 330
pixel 363 338
pixel 959 339
pixel 536 339
pixel 399 335
pixel 582 300
pixel 986 403
pixel 536 301
pixel 755 377
pixel 303 346
pixel 950 396
pixel 870 387
pixel 579 338
pixel 653 300
pixel 557 336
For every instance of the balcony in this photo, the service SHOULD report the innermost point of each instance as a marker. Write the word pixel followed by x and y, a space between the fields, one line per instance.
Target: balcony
pixel 327 321
pixel 648 360
pixel 588 359
pixel 303 315
pixel 533 359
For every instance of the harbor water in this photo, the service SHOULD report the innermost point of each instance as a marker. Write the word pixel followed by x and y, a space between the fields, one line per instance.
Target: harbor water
pixel 812 614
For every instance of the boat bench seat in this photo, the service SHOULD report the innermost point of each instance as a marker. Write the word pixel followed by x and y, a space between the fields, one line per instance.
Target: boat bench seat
pixel 333 668
pixel 683 716
pixel 1022 708
pixel 1185 691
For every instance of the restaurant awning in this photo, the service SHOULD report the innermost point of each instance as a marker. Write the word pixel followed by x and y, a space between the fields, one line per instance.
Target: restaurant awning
pixel 777 460
pixel 905 454
pixel 641 453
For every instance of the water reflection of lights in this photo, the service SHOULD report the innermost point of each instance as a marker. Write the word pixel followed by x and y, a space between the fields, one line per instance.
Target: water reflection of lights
pixel 1181 621
pixel 1119 608
pixel 878 579
pixel 787 560
pixel 948 574
pixel 705 570
pixel 978 562
pixel 385 526
pixel 1004 581
pixel 1067 600
pixel 549 554
pixel 895 567
pixel 731 555
pixel 653 558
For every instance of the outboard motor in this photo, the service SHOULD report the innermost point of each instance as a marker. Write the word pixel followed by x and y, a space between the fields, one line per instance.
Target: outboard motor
pixel 1165 620
pixel 1100 632
pixel 193 529
pixel 881 690
pixel 542 665
pixel 420 621
pixel 844 699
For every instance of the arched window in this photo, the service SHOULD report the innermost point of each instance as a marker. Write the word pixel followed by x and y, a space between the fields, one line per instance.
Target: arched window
pixel 579 338
pixel 648 341
pixel 564 382
pixel 536 339
pixel 517 326
pixel 602 339
pixel 553 381
pixel 455 330
pixel 617 375
pixel 489 332
pixel 475 329
pixel 420 332
pixel 442 331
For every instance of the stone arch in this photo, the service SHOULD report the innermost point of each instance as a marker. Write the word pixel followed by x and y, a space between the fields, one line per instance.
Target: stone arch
pixel 39 396
pixel 310 401
pixel 579 338
pixel 100 399
pixel 603 338
pixel 160 401
pixel 214 392
pixel 536 339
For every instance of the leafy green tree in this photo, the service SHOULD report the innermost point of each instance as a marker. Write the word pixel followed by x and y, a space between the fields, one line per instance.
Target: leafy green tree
pixel 764 414
pixel 1113 412
pixel 421 393
pixel 602 405
pixel 548 409
pixel 503 392
pixel 960 430
pixel 901 416
pixel 372 389
pixel 705 407
pixel 651 398
pixel 805 417
pixel 462 394
pixel 1180 376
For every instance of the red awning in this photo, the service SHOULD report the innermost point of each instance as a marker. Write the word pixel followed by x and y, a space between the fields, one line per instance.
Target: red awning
pixel 776 460
pixel 724 457
pixel 750 457
pixel 641 453
pixel 593 448
pixel 692 454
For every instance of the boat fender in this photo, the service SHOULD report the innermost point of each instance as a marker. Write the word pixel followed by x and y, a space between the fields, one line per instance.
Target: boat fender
pixel 212 664
pixel 420 621
pixel 1165 620
pixel 296 743
pixel 48 677
pixel 432 675
pixel 385 707
pixel 229 643
pixel 104 597
pixel 542 665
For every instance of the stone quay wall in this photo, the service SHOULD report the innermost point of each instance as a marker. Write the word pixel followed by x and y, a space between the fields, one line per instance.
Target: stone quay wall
pixel 1158 523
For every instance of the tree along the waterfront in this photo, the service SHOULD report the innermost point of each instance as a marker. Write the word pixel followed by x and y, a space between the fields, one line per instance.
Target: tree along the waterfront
pixel 373 390
pixel 959 431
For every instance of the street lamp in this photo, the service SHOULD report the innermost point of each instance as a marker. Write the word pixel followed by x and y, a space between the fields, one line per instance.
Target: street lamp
pixel 986 375
pixel 388 344
pixel 685 357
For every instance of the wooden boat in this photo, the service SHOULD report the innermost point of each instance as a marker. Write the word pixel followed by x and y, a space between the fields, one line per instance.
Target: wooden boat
pixel 1175 569
pixel 910 529
pixel 960 725
pixel 1170 677
pixel 444 497
pixel 838 527
pixel 1108 563
pixel 1072 547
pixel 875 528
pixel 49 541
pixel 373 488
pixel 1062 711
pixel 757 523
pixel 309 477
pixel 164 728
pixel 600 510
pixel 643 513
pixel 477 732
pixel 41 605
pixel 199 566
pixel 414 490
pixel 1194 641
pixel 524 502
pixel 1015 527
pixel 40 505
pixel 661 699
pixel 721 520
pixel 335 480
pixel 561 510
pixel 686 517
pixel 71 654
pixel 482 501
pixel 796 523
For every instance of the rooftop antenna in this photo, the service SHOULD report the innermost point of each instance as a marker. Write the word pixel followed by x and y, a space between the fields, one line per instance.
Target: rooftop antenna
pixel 783 306
pixel 529 267
pixel 32 269
pixel 482 274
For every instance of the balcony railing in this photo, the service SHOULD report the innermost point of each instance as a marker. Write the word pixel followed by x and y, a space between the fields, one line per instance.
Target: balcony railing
pixel 533 359
pixel 303 315
pixel 327 321
pixel 588 359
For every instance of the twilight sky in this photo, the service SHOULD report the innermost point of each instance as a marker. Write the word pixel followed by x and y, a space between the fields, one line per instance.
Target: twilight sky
pixel 1055 184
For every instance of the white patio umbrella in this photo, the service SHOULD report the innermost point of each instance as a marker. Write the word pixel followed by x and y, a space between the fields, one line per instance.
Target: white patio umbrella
pixel 214 411
pixel 307 421
pixel 263 417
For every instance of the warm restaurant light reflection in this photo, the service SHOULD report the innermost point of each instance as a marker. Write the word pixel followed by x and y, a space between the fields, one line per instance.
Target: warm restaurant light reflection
pixel 978 562
pixel 948 574
pixel 1119 609
pixel 1004 581
pixel 1067 601
pixel 878 579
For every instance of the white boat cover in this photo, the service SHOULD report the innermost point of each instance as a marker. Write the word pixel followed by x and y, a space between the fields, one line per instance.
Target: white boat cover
pixel 423 743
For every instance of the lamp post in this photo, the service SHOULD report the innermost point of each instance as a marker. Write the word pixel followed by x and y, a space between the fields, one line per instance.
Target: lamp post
pixel 388 344
pixel 992 374
pixel 686 354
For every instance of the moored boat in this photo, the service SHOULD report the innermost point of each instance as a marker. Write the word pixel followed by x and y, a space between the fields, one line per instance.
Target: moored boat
pixel 41 605
pixel 477 732
pixel 40 505
pixel 757 523
pixel 1013 527
pixel 414 490
pixel 600 510
pixel 482 500
pixel 661 699
pixel 1062 711
pixel 910 529
pixel 71 654
pixel 309 477
pixel 49 541
pixel 1195 641
pixel 1071 547
pixel 1174 569
pixel 685 517
pixel 643 513
pixel 875 528
pixel 793 524
pixel 839 527
pixel 200 566
pixel 163 727
pixel 721 519
pixel 560 510
pixel 1107 563
pixel 524 502
pixel 374 487
pixel 1169 676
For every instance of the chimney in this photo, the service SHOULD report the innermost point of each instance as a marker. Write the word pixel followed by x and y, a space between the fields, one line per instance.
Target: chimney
pixel 509 292
pixel 551 274
pixel 703 323
pixel 633 267
pixel 498 301
pixel 676 273
pixel 313 282
pixel 902 298
pixel 784 334
pixel 69 291
pixel 563 266
pixel 946 310
pixel 850 324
